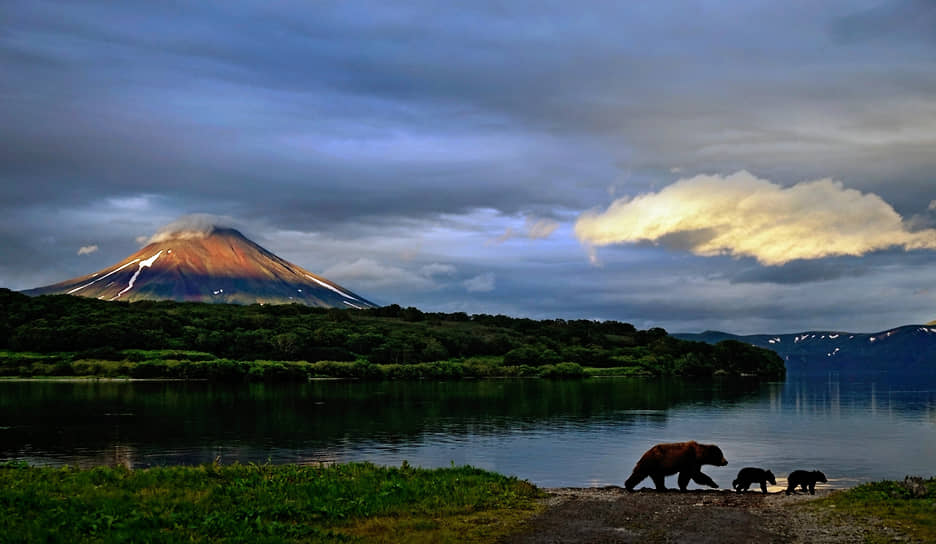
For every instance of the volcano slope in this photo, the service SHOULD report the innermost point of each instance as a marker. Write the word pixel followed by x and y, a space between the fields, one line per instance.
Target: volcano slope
pixel 219 265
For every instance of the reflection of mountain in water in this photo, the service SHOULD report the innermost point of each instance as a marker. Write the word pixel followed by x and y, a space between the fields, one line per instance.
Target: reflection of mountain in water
pixel 903 396
pixel 158 423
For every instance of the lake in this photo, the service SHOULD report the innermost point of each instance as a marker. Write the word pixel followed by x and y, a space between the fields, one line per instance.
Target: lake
pixel 553 433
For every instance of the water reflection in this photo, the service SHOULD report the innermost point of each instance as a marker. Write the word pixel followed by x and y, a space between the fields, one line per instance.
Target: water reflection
pixel 553 433
pixel 833 396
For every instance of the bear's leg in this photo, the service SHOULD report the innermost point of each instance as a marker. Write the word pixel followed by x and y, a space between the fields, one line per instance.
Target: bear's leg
pixel 763 486
pixel 703 479
pixel 683 480
pixel 658 481
pixel 805 487
pixel 791 488
pixel 812 488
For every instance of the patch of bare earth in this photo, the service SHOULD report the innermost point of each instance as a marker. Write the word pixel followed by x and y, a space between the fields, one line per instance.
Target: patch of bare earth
pixel 612 515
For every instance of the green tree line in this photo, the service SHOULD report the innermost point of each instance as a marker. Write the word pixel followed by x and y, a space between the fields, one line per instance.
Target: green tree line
pixel 86 328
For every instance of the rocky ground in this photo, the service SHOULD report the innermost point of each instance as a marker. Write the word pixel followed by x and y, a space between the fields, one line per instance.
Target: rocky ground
pixel 612 515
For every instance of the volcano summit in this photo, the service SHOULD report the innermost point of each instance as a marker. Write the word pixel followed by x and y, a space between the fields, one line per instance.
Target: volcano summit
pixel 214 264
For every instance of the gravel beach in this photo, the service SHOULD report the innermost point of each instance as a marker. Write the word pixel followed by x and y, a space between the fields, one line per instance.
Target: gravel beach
pixel 612 515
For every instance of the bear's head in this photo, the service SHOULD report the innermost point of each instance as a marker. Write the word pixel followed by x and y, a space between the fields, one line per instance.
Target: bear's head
pixel 770 477
pixel 710 454
pixel 820 477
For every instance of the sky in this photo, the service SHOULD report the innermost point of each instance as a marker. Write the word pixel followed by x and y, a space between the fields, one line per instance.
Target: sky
pixel 749 166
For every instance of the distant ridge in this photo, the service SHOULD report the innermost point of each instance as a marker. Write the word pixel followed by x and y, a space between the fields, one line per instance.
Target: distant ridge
pixel 215 264
pixel 907 350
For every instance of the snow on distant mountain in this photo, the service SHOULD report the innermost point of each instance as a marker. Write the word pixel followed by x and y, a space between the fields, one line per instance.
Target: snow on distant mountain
pixel 214 264
pixel 909 350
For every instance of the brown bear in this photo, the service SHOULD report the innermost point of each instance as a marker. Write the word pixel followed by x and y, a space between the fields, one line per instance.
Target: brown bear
pixel 686 458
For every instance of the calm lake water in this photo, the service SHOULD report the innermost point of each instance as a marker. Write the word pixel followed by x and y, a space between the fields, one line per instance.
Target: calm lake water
pixel 562 433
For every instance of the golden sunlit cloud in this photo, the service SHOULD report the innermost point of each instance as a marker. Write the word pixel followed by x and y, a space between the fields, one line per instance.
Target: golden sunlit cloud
pixel 745 216
pixel 535 229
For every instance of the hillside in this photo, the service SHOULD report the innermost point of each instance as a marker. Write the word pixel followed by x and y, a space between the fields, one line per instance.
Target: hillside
pixel 77 327
pixel 907 350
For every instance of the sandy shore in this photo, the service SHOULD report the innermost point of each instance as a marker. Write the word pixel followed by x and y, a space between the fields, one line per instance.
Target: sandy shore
pixel 612 515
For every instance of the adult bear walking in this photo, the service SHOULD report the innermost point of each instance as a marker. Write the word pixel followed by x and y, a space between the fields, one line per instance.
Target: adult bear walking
pixel 686 458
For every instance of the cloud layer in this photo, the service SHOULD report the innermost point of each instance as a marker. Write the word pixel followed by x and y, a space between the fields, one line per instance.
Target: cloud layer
pixel 745 216
pixel 534 229
pixel 482 283
pixel 407 149
pixel 196 225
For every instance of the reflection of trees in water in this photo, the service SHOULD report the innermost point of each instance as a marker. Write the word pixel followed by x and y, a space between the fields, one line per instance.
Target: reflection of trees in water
pixel 167 422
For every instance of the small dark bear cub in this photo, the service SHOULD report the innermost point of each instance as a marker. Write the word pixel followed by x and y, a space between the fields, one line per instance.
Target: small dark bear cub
pixel 805 479
pixel 749 475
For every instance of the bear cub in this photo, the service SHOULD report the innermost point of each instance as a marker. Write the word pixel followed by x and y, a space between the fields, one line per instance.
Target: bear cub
pixel 805 479
pixel 749 475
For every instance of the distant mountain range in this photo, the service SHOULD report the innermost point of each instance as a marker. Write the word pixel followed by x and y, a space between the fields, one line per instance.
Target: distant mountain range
pixel 907 350
pixel 216 265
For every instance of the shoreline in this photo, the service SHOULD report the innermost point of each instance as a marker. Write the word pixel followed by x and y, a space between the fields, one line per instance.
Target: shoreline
pixel 94 379
pixel 457 504
pixel 779 490
pixel 612 514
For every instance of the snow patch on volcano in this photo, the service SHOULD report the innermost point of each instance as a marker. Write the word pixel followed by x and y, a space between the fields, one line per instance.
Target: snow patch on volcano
pixel 143 264
pixel 102 277
pixel 325 285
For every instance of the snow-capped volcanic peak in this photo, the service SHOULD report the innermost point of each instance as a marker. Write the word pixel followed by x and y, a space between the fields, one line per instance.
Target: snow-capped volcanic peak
pixel 205 262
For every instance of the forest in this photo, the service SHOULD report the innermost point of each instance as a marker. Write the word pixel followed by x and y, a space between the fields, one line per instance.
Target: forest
pixel 67 335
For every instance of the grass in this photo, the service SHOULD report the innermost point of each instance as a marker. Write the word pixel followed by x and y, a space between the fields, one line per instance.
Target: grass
pixel 617 371
pixel 890 507
pixel 198 366
pixel 355 502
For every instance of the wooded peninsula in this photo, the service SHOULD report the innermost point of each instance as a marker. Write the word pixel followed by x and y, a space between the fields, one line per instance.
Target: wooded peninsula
pixel 66 335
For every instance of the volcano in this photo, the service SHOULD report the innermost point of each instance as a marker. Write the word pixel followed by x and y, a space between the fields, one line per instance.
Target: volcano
pixel 217 265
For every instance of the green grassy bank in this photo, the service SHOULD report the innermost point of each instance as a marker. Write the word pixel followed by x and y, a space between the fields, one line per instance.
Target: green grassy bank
pixel 194 365
pixel 159 364
pixel 250 503
pixel 907 507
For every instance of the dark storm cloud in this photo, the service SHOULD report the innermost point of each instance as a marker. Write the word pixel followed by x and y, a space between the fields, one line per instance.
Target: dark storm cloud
pixel 334 113
pixel 355 98
pixel 906 21
pixel 801 271
pixel 413 134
